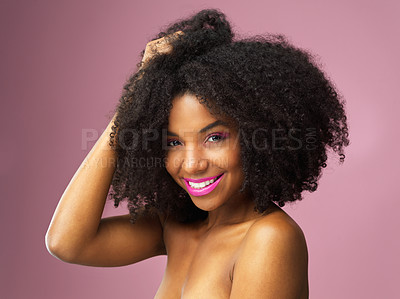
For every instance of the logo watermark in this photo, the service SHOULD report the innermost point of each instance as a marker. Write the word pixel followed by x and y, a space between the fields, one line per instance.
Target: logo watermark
pixel 260 139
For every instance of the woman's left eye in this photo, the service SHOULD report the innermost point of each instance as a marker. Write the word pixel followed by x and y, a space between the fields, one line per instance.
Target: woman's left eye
pixel 216 137
pixel 213 138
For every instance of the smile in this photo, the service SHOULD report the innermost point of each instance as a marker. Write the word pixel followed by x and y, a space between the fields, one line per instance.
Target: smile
pixel 204 187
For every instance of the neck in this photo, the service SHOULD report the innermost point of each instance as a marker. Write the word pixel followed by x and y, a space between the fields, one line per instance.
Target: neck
pixel 237 210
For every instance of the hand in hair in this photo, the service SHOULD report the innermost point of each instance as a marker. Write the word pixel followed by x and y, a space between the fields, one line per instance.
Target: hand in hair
pixel 161 46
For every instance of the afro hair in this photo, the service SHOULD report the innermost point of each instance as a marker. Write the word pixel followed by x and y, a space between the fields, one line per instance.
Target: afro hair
pixel 287 110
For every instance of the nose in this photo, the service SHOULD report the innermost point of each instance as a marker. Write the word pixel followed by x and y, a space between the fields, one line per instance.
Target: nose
pixel 194 161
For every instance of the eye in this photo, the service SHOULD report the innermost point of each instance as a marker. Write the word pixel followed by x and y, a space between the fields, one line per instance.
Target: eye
pixel 172 143
pixel 213 138
pixel 216 137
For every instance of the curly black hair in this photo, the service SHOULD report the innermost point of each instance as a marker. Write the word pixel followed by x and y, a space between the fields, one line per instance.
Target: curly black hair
pixel 287 110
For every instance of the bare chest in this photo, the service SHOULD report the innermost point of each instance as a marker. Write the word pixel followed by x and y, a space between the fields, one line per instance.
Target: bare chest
pixel 200 265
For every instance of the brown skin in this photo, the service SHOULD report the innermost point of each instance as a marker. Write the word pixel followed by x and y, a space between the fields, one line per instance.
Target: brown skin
pixel 159 46
pixel 77 234
pixel 193 155
pixel 234 253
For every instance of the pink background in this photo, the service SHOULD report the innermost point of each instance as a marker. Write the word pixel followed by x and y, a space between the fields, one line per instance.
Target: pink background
pixel 63 65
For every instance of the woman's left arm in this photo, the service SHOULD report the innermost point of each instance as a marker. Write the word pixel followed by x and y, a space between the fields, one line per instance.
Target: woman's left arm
pixel 273 263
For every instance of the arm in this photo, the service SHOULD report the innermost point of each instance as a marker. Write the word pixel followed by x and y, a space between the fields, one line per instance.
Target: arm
pixel 77 234
pixel 273 263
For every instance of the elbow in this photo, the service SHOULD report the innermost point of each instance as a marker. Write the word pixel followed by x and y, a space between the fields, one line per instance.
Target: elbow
pixel 58 249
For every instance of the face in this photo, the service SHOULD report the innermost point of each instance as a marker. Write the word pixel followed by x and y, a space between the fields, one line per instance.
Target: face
pixel 203 154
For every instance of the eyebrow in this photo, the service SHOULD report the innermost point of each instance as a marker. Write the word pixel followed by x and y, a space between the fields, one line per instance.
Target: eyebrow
pixel 206 128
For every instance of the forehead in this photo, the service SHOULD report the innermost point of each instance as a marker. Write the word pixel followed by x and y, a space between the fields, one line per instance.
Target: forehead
pixel 188 113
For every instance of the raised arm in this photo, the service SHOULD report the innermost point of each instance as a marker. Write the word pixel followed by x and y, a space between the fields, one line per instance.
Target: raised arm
pixel 77 234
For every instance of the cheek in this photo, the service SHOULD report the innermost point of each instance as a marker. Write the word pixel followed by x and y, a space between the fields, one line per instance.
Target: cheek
pixel 236 169
pixel 232 152
pixel 171 163
pixel 231 158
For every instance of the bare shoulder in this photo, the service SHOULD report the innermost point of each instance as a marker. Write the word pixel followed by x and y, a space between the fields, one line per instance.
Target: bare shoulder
pixel 276 224
pixel 165 217
pixel 277 232
pixel 274 251
pixel 162 217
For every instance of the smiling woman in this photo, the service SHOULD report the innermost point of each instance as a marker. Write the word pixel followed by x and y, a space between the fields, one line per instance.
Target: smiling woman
pixel 230 130
pixel 206 150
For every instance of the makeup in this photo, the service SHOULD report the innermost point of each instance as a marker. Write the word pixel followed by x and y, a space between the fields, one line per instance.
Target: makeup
pixel 197 187
pixel 221 135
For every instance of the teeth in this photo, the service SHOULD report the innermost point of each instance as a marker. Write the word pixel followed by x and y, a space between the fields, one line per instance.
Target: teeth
pixel 201 185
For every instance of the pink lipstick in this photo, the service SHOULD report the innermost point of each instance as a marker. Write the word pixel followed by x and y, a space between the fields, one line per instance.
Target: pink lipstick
pixel 202 189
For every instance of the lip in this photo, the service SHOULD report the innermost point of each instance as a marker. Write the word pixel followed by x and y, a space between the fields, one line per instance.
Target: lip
pixel 202 179
pixel 205 190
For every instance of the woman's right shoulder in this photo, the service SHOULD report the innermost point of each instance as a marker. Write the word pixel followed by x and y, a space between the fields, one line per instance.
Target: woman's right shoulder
pixel 166 218
pixel 163 217
pixel 170 223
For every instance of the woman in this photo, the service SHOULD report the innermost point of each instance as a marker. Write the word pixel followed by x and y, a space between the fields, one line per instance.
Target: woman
pixel 210 139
